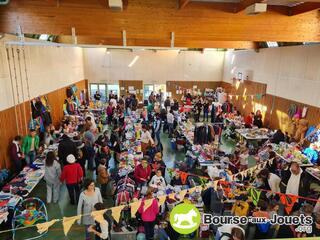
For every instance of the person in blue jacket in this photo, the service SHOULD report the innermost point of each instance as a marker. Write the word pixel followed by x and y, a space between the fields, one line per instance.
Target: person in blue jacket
pixel 312 153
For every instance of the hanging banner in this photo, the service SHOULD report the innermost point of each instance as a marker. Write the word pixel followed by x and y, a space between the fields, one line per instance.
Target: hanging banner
pixel 255 195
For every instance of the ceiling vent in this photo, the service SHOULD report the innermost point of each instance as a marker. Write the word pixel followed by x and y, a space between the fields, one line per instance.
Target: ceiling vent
pixel 116 5
pixel 256 8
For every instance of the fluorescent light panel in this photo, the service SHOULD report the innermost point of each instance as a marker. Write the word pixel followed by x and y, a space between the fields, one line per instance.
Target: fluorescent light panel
pixel 133 61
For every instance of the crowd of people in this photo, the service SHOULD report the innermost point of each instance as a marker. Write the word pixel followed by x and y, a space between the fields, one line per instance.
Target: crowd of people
pixel 89 154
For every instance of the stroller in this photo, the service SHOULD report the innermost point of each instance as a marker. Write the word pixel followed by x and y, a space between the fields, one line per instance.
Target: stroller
pixel 29 212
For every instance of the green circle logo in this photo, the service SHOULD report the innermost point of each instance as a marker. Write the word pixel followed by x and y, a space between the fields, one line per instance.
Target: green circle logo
pixel 185 218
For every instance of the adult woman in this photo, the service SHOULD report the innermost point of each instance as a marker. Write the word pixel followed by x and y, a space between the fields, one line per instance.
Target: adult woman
pixel 72 174
pixel 149 213
pixel 146 139
pixel 52 175
pixel 206 110
pixel 142 173
pixel 257 119
pixel 88 198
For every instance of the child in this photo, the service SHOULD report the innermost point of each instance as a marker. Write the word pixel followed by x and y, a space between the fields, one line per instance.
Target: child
pixel 157 181
pixel 103 176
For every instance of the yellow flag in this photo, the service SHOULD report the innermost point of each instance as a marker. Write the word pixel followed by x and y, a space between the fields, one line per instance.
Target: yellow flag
pixel 98 215
pixel 182 194
pixel 147 204
pixel 67 222
pixel 116 212
pixel 172 196
pixel 215 185
pixel 191 190
pixel 43 227
pixel 162 199
pixel 134 208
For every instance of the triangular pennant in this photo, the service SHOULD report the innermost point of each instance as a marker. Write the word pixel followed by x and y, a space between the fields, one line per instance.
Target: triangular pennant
pixel 170 172
pixel 255 195
pixel 172 196
pixel 162 199
pixel 43 227
pixel 183 177
pixel 134 206
pixel 98 215
pixel 182 194
pixel 116 212
pixel 288 200
pixel 203 181
pixel 265 164
pixel 191 190
pixel 67 222
pixel 147 204
pixel 215 185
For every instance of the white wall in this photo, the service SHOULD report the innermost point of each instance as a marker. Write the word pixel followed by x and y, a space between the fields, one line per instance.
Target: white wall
pixel 289 72
pixel 152 67
pixel 48 69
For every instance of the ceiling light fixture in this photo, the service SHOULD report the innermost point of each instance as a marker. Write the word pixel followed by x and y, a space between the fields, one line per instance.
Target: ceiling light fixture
pixel 133 61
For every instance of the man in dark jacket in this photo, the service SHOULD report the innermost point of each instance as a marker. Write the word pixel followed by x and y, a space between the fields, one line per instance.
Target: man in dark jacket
pixel 66 147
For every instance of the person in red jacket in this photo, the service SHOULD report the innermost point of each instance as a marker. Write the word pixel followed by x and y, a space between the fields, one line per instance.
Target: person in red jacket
pixel 72 174
pixel 248 121
pixel 142 173
pixel 149 209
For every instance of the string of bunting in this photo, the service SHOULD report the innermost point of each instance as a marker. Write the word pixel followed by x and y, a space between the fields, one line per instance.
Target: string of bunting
pixel 287 199
pixel 258 96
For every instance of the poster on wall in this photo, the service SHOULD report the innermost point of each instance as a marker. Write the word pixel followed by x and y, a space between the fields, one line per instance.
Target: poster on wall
pixel 122 89
pixel 132 91
pixel 195 86
pixel 130 88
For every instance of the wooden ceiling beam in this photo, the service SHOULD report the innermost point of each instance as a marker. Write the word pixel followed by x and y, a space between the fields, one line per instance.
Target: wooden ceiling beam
pixel 303 8
pixel 183 3
pixel 245 3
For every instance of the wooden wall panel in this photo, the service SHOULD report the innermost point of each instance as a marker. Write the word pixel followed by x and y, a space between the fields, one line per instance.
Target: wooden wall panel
pixel 8 119
pixel 137 84
pixel 275 114
pixel 202 85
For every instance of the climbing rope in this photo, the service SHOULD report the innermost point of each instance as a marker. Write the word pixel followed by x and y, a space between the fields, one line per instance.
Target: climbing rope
pixel 22 91
pixel 16 81
pixel 12 90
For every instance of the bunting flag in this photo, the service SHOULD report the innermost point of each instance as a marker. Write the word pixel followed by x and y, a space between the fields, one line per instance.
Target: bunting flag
pixel 203 181
pixel 183 193
pixel 67 222
pixel 172 196
pixel 191 190
pixel 134 206
pixel 147 203
pixel 215 185
pixel 255 195
pixel 288 200
pixel 183 177
pixel 162 199
pixel 170 172
pixel 116 212
pixel 43 227
pixel 98 215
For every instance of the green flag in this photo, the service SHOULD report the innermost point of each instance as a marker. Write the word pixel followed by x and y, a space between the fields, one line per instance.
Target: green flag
pixel 255 195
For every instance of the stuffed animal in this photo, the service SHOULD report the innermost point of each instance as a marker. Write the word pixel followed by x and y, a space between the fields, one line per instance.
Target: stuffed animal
pixel 301 130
